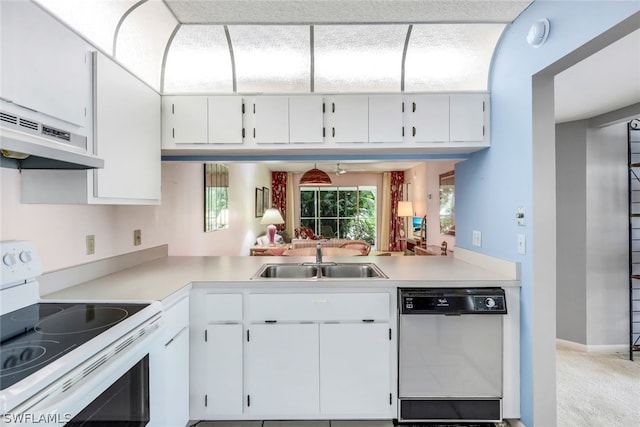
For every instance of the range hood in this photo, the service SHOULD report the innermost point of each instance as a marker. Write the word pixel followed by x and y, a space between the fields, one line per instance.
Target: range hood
pixel 34 145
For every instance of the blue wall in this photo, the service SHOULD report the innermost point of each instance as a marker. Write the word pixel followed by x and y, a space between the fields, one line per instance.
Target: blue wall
pixel 492 184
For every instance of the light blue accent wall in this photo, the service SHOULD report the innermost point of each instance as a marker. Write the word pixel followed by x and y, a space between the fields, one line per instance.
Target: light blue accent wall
pixel 493 183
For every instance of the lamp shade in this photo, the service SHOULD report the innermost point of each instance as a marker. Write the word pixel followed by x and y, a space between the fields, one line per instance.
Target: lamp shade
pixel 405 208
pixel 315 177
pixel 272 216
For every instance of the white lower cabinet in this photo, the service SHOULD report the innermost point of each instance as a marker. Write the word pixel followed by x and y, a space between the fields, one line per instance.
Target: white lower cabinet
pixel 224 369
pixel 354 369
pixel 282 375
pixel 176 376
pixel 261 355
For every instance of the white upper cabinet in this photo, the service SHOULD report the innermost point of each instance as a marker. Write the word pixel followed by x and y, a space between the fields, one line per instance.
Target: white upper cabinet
pixel 45 66
pixel 467 121
pixel 430 118
pixel 127 137
pixel 385 118
pixel 225 119
pixel 127 134
pixel 271 119
pixel 348 118
pixel 184 119
pixel 305 119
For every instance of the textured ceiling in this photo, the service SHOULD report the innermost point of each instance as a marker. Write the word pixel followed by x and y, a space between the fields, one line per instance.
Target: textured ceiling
pixel 344 11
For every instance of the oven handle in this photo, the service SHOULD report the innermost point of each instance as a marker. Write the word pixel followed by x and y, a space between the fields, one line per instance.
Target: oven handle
pixel 68 400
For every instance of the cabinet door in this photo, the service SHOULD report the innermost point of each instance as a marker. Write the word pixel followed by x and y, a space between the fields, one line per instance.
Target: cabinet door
pixel 283 370
pixel 430 118
pixel 225 119
pixel 127 132
pixel 45 66
pixel 350 117
pixel 305 119
pixel 355 369
pixel 467 117
pixel 176 385
pixel 186 119
pixel 271 115
pixel 385 118
pixel 224 369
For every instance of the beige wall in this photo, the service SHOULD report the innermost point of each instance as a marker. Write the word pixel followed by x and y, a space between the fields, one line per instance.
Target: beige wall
pixel 424 180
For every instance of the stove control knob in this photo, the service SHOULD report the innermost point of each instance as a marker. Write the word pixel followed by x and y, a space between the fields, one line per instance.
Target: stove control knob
pixel 9 260
pixel 489 302
pixel 25 257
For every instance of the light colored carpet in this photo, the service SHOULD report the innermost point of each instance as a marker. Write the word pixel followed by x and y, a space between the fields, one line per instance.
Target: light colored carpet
pixel 597 390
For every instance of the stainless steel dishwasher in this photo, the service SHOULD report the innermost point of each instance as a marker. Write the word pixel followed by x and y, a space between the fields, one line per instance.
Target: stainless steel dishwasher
pixel 450 354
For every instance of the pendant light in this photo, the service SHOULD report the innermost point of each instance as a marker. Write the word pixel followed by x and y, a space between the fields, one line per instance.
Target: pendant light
pixel 315 177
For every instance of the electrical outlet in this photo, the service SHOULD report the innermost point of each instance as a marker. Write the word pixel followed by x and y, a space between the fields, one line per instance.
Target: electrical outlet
pixel 91 244
pixel 522 248
pixel 477 238
pixel 137 237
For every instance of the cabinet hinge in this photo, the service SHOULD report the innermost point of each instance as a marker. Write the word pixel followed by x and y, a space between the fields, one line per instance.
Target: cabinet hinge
pixel 248 400
pixel 389 334
pixel 205 335
pixel 248 336
pixel 206 400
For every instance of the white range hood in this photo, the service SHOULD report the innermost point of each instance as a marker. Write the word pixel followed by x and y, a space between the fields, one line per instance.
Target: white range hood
pixel 36 145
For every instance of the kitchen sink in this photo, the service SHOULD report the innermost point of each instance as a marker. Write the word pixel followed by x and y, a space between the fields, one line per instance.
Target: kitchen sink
pixel 319 271
pixel 365 270
pixel 287 271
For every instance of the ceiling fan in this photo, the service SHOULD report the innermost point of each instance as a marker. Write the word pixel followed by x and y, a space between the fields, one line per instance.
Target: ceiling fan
pixel 339 170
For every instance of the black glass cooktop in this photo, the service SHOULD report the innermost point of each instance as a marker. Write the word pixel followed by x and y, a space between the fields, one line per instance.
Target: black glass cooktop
pixel 36 335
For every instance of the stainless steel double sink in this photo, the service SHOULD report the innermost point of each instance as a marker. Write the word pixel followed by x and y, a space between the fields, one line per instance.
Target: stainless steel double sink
pixel 327 270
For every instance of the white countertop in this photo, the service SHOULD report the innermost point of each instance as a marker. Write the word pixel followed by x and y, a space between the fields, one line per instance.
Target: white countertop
pixel 158 279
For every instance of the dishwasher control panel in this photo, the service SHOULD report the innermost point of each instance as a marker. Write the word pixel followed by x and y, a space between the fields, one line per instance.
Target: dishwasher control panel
pixel 453 301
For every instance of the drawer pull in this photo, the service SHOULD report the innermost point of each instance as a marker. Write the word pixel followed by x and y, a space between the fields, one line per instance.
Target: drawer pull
pixel 319 301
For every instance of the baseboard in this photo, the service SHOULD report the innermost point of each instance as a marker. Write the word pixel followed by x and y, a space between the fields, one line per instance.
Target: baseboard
pixel 602 349
pixel 60 279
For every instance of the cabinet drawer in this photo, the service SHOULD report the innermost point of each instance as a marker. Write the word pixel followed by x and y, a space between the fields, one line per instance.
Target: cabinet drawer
pixel 224 307
pixel 319 307
pixel 176 317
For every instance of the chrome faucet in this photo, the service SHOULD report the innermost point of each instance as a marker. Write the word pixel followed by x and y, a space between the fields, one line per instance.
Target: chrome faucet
pixel 318 253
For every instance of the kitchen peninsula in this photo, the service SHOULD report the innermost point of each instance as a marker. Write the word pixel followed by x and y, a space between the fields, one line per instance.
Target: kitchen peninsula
pixel 309 348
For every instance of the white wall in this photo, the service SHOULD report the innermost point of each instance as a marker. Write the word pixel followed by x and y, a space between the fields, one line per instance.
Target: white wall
pixel 183 207
pixel 58 231
pixel 607 237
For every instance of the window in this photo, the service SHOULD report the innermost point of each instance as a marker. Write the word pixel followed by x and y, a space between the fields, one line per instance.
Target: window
pixel 216 197
pixel 340 212
pixel 447 203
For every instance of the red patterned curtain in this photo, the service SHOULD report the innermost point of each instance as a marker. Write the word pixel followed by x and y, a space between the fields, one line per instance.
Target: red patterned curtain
pixel 397 179
pixel 279 195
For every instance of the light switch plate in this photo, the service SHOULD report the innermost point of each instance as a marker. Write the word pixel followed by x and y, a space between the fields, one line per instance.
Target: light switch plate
pixel 477 238
pixel 522 246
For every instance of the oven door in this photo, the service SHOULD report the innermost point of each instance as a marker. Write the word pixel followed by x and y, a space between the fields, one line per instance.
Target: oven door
pixel 111 388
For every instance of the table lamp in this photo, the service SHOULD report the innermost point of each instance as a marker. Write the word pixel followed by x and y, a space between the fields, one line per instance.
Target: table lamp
pixel 271 216
pixel 405 210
